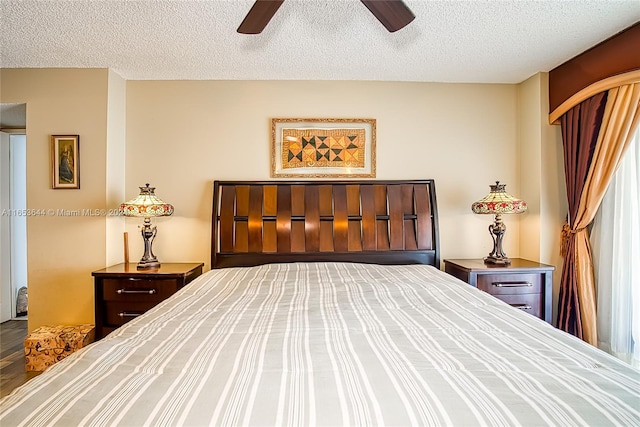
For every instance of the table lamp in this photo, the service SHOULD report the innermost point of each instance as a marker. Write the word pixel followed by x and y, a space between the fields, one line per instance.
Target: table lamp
pixel 498 202
pixel 147 205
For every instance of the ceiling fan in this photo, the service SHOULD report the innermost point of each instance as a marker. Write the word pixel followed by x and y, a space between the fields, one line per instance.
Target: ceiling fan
pixel 393 14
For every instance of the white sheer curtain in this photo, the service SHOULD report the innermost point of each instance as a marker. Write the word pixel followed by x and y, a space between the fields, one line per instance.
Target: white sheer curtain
pixel 615 239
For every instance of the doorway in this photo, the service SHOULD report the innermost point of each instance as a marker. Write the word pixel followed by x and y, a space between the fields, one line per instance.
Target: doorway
pixel 13 210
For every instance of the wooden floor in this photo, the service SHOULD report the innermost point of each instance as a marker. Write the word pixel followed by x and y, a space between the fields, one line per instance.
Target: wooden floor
pixel 12 372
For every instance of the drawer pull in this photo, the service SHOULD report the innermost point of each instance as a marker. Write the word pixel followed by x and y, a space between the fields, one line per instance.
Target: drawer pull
pixel 513 284
pixel 136 291
pixel 128 314
pixel 521 306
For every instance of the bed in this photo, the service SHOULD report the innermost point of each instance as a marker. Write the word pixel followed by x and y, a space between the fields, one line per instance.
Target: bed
pixel 325 305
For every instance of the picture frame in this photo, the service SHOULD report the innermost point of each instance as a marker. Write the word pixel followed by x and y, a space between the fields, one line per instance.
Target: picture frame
pixel 323 148
pixel 65 162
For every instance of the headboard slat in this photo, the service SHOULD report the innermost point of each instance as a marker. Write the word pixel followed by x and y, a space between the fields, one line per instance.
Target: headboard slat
pixel 241 229
pixel 368 218
pixel 353 200
pixel 410 242
pixel 311 218
pixel 297 237
pixel 384 222
pixel 410 239
pixel 269 228
pixel 407 199
pixel 425 239
pixel 270 237
pixel 340 219
pixel 326 200
pixel 227 211
pixel 326 236
pixel 241 239
pixel 355 237
pixel 353 210
pixel 255 218
pixel 283 219
pixel 396 218
pixel 382 226
pixel 381 199
pixel 297 200
pixel 242 200
pixel 270 200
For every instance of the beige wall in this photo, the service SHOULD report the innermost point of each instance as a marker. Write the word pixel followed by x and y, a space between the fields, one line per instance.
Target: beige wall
pixel 181 135
pixel 530 165
pixel 115 158
pixel 541 177
pixel 62 250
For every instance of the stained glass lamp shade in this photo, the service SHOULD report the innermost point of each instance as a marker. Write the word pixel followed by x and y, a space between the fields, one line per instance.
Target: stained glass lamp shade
pixel 498 202
pixel 147 205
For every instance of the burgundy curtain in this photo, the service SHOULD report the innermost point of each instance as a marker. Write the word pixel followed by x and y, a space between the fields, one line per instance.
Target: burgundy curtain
pixel 580 128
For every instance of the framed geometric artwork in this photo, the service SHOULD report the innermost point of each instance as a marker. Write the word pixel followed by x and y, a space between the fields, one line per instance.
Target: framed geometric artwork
pixel 65 161
pixel 323 148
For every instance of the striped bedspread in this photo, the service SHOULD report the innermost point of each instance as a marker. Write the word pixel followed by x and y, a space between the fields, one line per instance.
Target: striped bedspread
pixel 331 344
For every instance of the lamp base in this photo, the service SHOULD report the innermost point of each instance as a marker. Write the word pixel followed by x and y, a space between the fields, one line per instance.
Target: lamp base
pixel 497 255
pixel 497 261
pixel 148 265
pixel 148 260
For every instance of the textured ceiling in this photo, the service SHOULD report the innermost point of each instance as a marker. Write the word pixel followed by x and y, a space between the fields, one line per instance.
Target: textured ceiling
pixel 449 41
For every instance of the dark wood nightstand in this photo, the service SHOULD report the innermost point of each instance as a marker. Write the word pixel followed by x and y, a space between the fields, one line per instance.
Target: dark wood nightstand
pixel 122 292
pixel 524 284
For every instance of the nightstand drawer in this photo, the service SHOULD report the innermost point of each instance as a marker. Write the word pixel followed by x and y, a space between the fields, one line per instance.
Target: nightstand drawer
pixel 529 303
pixel 508 284
pixel 118 313
pixel 136 289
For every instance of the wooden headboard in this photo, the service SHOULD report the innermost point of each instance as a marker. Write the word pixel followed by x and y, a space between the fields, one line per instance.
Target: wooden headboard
pixel 379 222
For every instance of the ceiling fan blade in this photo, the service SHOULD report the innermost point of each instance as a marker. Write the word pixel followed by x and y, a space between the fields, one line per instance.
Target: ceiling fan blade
pixel 259 16
pixel 393 14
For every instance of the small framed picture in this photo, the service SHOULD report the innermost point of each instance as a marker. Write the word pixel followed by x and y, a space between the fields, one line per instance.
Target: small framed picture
pixel 65 161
